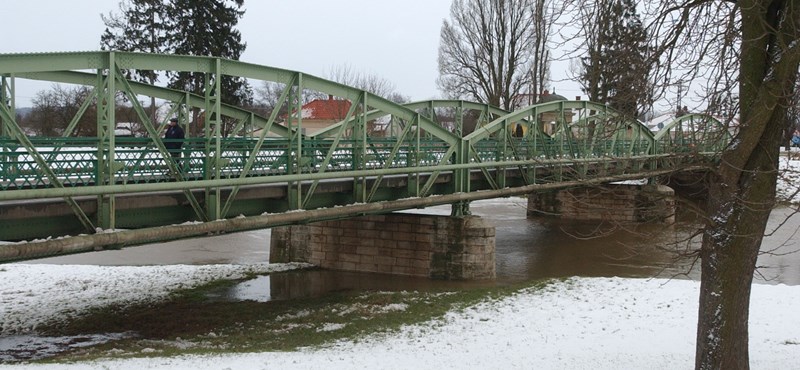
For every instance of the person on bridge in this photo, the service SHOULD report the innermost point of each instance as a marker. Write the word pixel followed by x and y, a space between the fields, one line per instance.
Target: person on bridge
pixel 174 136
pixel 518 131
pixel 796 138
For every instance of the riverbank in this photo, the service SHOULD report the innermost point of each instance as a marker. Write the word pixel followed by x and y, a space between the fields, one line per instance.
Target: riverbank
pixel 578 323
pixel 597 323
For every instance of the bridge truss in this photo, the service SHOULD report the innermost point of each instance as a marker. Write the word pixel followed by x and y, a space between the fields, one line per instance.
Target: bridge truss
pixel 379 151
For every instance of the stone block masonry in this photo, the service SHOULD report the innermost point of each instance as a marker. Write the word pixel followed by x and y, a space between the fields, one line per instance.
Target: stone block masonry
pixel 439 247
pixel 614 203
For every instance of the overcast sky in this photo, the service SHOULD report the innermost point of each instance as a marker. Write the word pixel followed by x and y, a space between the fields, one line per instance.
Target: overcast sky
pixel 395 40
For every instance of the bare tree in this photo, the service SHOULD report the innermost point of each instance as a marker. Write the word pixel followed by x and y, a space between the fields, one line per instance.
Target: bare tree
pixel 792 119
pixel 267 97
pixel 268 94
pixel 371 83
pixel 750 46
pixel 542 16
pixel 54 109
pixel 486 51
pixel 743 57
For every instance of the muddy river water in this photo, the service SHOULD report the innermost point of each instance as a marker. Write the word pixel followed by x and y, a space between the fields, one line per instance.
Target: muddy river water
pixel 527 249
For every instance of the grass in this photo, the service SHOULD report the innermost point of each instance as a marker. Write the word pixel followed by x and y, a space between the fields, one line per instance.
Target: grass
pixel 191 323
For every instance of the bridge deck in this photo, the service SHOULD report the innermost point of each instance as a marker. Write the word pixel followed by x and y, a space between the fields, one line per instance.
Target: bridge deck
pixel 378 157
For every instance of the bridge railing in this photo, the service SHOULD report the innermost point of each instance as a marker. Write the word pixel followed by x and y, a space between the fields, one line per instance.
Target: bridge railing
pixel 74 161
pixel 525 148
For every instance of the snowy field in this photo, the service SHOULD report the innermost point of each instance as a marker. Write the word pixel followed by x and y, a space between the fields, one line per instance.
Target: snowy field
pixel 581 323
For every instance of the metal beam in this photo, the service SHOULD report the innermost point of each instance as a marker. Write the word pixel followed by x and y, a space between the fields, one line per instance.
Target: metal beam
pixel 77 244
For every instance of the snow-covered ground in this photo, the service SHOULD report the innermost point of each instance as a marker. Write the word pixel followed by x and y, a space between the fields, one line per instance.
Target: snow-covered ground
pixel 32 294
pixel 788 187
pixel 581 323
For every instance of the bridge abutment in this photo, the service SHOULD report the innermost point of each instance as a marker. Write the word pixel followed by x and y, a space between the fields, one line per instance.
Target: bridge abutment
pixel 438 247
pixel 614 203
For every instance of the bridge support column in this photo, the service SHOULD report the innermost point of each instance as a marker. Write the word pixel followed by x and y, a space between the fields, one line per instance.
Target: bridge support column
pixel 438 247
pixel 615 203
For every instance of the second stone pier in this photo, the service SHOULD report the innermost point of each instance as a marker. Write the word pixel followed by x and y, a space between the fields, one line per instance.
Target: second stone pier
pixel 439 247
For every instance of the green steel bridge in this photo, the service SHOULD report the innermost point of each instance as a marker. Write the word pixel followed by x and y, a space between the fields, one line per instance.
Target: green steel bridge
pixel 263 170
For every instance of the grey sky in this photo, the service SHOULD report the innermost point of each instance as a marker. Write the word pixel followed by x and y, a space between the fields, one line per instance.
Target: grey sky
pixel 395 40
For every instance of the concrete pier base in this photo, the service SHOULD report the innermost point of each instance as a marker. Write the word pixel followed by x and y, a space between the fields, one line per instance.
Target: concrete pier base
pixel 439 247
pixel 615 203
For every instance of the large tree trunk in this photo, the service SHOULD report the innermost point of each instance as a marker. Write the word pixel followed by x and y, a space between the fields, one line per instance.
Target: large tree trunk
pixel 744 191
pixel 741 201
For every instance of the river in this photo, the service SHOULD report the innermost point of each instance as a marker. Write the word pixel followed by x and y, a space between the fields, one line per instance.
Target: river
pixel 527 249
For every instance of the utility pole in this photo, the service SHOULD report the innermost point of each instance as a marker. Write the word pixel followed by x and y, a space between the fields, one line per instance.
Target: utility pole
pixel 679 110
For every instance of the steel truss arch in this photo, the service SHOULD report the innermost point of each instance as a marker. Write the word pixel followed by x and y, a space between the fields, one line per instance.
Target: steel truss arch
pixel 103 71
pixel 555 131
pixel 398 131
pixel 487 113
pixel 421 156
pixel 693 133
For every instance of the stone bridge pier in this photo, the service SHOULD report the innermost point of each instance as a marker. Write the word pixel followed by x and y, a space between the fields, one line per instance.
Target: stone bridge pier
pixel 439 247
pixel 444 247
pixel 613 202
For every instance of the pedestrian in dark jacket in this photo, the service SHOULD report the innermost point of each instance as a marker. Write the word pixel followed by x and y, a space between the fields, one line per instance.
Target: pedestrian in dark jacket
pixel 174 136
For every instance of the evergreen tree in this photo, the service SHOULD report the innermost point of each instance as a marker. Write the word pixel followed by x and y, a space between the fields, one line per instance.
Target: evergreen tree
pixel 616 69
pixel 186 27
pixel 140 26
pixel 207 27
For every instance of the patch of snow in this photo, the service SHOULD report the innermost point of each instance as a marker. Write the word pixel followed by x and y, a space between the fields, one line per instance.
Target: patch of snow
pixel 393 307
pixel 31 295
pixel 331 327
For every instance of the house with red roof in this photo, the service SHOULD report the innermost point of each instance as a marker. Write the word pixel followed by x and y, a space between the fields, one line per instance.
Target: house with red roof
pixel 321 113
pixel 318 114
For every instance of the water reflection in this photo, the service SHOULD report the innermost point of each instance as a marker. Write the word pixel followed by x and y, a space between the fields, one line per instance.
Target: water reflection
pixel 551 248
pixel 32 347
pixel 563 249
pixel 316 283
pixel 545 248
pixel 779 261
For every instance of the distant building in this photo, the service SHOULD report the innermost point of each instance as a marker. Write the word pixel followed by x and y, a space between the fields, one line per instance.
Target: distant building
pixel 548 120
pixel 658 122
pixel 318 114
pixel 126 129
pixel 321 113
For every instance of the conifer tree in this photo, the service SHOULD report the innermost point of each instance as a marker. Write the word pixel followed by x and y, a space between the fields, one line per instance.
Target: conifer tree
pixel 185 27
pixel 141 25
pixel 207 27
pixel 616 70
